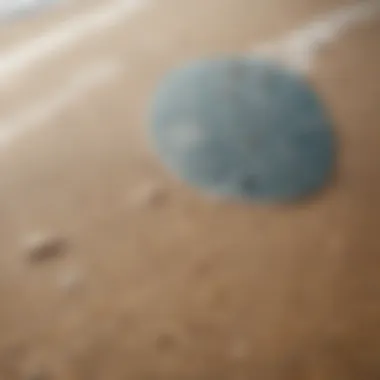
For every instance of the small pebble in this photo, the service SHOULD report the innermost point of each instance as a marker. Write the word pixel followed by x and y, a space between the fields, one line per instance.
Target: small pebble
pixel 69 281
pixel 148 194
pixel 37 375
pixel 240 349
pixel 165 342
pixel 40 247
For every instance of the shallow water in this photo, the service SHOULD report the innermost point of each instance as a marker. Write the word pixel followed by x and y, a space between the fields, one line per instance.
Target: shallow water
pixel 13 9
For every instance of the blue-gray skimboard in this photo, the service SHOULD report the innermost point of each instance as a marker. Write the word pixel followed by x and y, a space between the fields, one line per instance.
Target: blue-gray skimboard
pixel 243 128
